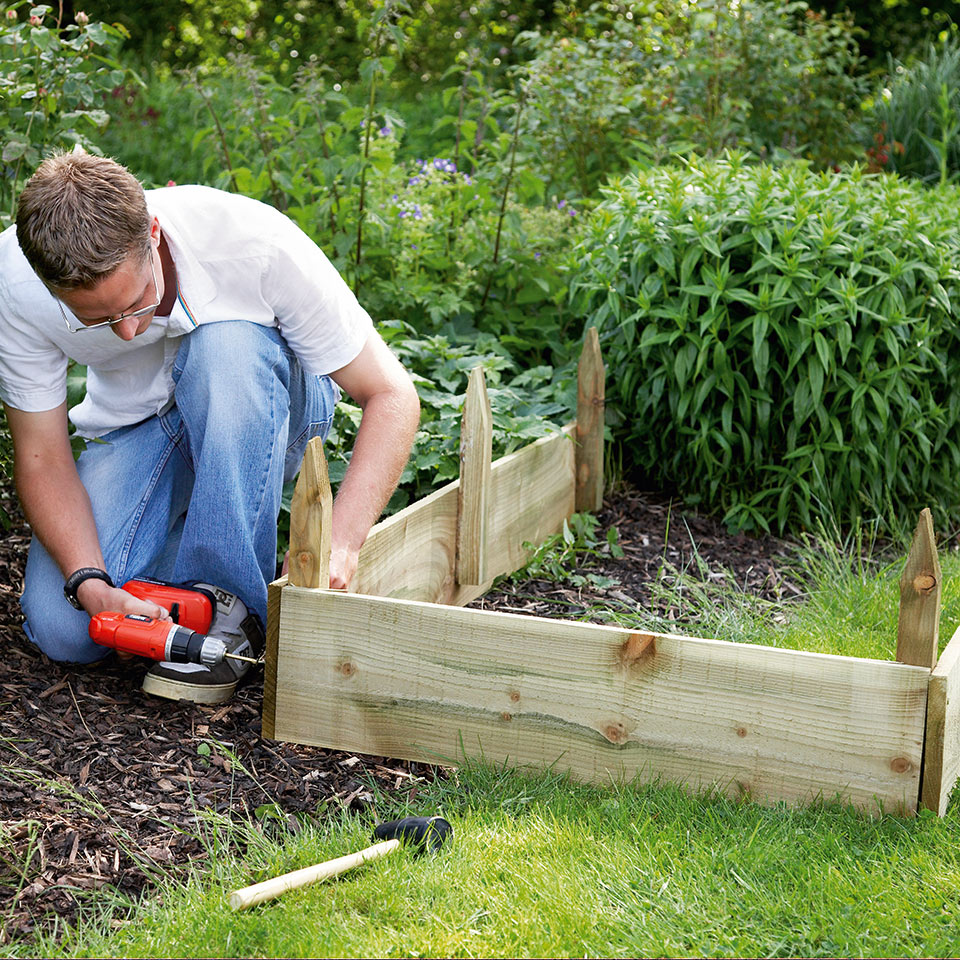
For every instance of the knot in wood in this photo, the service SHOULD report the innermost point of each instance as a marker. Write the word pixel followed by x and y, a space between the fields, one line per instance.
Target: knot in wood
pixel 900 765
pixel 741 731
pixel 506 716
pixel 924 583
pixel 514 696
pixel 615 733
pixel 347 668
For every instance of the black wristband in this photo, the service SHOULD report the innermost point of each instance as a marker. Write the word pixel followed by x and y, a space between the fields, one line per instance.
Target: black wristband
pixel 77 577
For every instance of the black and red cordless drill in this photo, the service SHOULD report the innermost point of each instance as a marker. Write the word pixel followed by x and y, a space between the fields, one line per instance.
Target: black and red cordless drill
pixel 193 609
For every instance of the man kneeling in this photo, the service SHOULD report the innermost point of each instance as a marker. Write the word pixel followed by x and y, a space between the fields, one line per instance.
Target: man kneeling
pixel 217 337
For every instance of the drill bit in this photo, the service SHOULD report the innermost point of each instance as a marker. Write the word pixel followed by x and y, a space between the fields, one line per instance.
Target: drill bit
pixel 236 656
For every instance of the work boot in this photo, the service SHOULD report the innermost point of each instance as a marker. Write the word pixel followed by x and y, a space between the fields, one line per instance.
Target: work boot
pixel 243 634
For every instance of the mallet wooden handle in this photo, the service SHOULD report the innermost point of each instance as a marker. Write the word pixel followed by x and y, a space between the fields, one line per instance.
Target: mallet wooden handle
pixel 270 889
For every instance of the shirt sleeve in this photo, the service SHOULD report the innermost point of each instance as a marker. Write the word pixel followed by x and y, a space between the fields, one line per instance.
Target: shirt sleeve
pixel 316 311
pixel 33 371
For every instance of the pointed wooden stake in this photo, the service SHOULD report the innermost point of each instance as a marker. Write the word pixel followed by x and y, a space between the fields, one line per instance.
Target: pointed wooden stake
pixel 918 631
pixel 590 404
pixel 311 516
pixel 476 446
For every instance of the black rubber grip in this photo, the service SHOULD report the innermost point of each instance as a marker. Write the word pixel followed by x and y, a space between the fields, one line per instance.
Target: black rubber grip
pixel 185 646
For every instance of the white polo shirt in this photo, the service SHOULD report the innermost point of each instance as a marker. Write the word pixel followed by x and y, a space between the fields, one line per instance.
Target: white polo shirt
pixel 236 259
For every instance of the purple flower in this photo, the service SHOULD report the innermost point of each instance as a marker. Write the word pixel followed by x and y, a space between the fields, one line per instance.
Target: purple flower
pixel 561 204
pixel 573 212
pixel 467 180
pixel 385 131
pixel 413 181
pixel 395 198
pixel 402 214
pixel 417 214
pixel 537 255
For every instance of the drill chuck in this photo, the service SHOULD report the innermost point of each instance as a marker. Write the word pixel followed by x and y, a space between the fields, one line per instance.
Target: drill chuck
pixel 156 639
pixel 188 646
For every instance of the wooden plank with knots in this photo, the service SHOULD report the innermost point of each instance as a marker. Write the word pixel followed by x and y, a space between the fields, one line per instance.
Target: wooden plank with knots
pixel 918 629
pixel 604 703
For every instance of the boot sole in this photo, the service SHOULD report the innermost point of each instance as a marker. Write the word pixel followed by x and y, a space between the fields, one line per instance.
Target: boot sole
pixel 194 692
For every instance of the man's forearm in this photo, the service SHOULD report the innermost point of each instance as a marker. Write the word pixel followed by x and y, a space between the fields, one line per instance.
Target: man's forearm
pixel 58 509
pixel 387 429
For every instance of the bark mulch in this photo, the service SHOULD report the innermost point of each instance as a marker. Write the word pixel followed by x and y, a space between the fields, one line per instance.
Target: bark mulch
pixel 662 543
pixel 102 787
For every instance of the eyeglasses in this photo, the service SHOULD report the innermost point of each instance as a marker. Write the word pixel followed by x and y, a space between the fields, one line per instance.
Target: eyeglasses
pixel 141 312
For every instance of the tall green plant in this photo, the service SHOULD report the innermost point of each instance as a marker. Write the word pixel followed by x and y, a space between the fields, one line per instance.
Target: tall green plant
pixel 783 345
pixel 916 115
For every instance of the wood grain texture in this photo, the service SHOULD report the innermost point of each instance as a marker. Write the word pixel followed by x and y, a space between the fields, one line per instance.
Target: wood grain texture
pixel 476 446
pixel 918 629
pixel 270 656
pixel 941 754
pixel 412 555
pixel 590 407
pixel 416 680
pixel 311 515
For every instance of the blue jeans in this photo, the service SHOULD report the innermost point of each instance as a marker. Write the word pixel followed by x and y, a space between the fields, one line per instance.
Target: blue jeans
pixel 192 494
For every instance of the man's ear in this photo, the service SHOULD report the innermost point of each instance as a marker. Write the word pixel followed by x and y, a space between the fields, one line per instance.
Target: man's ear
pixel 155 229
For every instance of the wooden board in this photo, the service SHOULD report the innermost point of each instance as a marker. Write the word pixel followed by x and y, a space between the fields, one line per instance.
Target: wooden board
pixel 941 756
pixel 270 656
pixel 412 555
pixel 590 407
pixel 476 442
pixel 416 680
pixel 918 627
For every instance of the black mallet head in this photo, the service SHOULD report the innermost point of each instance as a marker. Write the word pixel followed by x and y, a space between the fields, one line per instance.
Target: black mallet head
pixel 424 834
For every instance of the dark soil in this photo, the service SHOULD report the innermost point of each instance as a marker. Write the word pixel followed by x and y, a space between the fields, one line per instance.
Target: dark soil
pixel 102 786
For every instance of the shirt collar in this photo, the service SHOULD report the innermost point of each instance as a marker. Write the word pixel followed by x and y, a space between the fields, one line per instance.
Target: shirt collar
pixel 195 282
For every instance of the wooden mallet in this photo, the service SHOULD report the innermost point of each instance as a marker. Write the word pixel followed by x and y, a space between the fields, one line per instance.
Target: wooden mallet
pixel 424 834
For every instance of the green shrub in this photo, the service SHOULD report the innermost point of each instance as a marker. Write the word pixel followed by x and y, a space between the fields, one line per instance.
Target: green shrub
pixel 524 404
pixel 916 116
pixel 50 83
pixel 440 249
pixel 643 78
pixel 781 344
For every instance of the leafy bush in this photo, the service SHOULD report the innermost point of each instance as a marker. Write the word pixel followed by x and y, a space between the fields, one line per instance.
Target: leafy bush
pixel 639 79
pixel 455 243
pixel 50 81
pixel 781 344
pixel 525 405
pixel 917 116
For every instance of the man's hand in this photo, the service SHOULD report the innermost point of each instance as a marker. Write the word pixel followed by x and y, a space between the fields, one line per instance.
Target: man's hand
pixel 343 565
pixel 95 596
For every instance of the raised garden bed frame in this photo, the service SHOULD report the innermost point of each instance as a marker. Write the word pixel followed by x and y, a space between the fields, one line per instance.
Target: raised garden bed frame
pixel 397 668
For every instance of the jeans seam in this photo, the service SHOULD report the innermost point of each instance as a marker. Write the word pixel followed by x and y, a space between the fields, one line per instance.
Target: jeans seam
pixel 148 493
pixel 264 476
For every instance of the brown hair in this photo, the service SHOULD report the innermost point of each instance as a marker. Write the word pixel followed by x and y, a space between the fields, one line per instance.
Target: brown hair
pixel 79 217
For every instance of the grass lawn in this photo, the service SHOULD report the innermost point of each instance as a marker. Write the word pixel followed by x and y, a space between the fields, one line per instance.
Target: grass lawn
pixel 540 866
